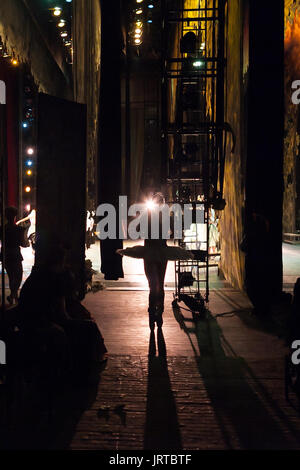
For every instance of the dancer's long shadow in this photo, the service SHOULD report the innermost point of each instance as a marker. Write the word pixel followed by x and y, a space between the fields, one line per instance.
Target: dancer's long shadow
pixel 162 428
pixel 247 415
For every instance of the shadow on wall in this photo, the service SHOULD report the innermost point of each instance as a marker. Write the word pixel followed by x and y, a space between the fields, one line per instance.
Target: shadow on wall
pixel 246 414
pixel 37 418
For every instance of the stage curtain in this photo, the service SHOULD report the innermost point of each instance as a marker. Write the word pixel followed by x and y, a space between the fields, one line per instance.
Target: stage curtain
pixel 137 151
pixel 110 159
pixel 10 76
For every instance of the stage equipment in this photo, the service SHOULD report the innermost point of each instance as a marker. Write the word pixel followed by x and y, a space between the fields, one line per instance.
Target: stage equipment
pixel 193 130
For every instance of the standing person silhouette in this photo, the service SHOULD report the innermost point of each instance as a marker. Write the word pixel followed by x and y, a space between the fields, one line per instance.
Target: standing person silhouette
pixel 156 254
pixel 155 269
pixel 14 239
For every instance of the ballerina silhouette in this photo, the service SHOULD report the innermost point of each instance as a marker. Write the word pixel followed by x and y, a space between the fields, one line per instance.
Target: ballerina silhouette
pixel 156 254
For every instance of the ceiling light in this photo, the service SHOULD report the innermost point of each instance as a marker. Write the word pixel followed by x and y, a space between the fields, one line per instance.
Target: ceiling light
pixel 57 11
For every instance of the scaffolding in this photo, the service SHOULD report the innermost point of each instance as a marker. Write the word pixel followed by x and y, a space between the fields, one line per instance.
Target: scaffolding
pixel 193 128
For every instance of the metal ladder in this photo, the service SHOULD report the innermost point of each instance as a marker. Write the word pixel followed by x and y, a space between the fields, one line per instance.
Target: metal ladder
pixel 192 115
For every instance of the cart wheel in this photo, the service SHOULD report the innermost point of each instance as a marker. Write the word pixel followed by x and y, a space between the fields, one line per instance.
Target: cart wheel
pixel 175 303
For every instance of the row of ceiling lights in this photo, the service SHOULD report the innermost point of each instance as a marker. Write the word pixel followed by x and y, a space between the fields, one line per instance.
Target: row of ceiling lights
pixel 57 13
pixel 137 27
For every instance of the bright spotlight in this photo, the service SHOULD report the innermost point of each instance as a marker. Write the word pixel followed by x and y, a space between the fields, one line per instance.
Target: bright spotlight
pixel 150 204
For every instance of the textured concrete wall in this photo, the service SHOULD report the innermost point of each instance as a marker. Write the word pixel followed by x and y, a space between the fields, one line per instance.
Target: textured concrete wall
pixel 292 137
pixel 23 39
pixel 291 150
pixel 231 226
